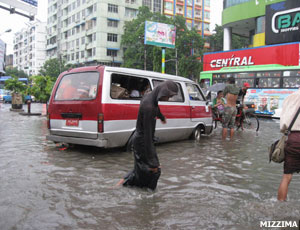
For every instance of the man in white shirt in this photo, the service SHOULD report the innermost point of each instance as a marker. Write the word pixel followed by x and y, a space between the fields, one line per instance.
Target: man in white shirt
pixel 292 149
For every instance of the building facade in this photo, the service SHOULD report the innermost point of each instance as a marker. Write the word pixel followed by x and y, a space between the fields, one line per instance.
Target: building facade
pixel 9 61
pixel 89 31
pixel 30 48
pixel 196 13
pixel 258 20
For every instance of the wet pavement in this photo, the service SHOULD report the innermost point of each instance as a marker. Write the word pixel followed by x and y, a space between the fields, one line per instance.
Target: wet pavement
pixel 212 185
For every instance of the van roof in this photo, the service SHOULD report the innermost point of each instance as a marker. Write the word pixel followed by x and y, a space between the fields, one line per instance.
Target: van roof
pixel 130 71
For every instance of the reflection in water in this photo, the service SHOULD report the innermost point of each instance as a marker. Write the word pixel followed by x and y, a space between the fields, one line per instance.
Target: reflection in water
pixel 211 185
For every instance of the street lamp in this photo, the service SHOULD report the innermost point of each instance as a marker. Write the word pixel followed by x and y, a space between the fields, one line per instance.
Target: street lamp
pixel 6 31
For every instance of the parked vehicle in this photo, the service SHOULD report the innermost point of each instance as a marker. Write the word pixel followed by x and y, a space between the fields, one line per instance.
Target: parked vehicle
pixel 3 93
pixel 7 98
pixel 92 106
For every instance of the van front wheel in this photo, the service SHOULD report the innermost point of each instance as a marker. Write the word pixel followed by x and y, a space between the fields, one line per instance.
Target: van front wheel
pixel 197 134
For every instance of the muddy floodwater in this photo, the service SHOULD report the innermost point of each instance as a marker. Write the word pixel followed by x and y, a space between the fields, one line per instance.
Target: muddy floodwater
pixel 211 185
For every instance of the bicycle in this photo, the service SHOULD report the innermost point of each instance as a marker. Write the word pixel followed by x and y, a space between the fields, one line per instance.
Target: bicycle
pixel 243 120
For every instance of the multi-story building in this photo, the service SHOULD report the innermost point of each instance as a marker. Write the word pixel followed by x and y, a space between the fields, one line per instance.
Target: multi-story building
pixel 196 13
pixel 30 48
pixel 9 61
pixel 89 31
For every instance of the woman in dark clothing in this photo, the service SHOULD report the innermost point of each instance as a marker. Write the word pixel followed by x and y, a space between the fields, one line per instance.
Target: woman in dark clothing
pixel 146 170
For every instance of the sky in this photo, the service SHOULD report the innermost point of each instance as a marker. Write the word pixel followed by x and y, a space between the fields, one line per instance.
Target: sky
pixel 16 22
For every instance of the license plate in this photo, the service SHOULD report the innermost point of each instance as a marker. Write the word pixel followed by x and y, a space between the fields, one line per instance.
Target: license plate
pixel 72 122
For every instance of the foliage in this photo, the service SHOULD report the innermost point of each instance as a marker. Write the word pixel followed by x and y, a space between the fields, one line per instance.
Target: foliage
pixel 53 67
pixel 189 45
pixel 42 87
pixel 13 84
pixel 13 71
pixel 216 40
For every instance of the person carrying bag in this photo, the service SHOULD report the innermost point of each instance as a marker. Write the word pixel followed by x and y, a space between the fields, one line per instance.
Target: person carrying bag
pixel 290 118
pixel 276 150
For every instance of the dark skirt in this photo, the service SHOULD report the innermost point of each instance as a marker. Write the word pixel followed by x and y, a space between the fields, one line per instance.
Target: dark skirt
pixel 292 154
pixel 141 176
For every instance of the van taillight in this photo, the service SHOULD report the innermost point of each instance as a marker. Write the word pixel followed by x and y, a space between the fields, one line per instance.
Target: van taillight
pixel 48 121
pixel 100 122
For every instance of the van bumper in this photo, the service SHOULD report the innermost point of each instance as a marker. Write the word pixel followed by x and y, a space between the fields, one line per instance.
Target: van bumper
pixel 102 143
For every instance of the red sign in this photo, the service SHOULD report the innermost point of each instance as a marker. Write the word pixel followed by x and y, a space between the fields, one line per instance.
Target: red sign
pixel 286 54
pixel 72 122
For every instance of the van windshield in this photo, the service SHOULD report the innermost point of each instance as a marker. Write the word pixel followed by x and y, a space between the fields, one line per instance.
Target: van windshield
pixel 78 86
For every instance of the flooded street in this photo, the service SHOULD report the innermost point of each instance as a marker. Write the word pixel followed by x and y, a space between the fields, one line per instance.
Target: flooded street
pixel 212 185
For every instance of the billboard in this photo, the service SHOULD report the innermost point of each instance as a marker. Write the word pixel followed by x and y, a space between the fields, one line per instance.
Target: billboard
pixel 284 54
pixel 159 34
pixel 283 22
pixel 2 56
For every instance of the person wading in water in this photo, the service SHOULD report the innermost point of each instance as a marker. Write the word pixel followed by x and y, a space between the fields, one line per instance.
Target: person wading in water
pixel 147 169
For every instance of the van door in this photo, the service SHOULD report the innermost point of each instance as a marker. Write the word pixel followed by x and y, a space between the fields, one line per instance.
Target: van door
pixel 198 107
pixel 75 106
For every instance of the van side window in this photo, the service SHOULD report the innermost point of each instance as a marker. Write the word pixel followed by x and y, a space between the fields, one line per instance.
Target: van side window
pixel 78 86
pixel 128 87
pixel 194 92
pixel 176 98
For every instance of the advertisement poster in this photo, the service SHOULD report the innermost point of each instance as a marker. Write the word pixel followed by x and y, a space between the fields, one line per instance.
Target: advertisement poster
pixel 160 34
pixel 267 101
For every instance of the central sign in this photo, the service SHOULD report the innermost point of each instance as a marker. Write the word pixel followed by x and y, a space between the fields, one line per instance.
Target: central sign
pixel 285 54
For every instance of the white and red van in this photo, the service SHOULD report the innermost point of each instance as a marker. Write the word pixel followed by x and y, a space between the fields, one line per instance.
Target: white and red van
pixel 98 106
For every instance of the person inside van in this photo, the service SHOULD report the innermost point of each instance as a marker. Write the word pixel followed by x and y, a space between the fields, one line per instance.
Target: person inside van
pixel 147 170
pixel 67 91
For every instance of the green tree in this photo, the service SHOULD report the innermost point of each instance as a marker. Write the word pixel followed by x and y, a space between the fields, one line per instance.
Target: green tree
pixel 13 71
pixel 216 40
pixel 53 67
pixel 189 45
pixel 13 84
pixel 42 87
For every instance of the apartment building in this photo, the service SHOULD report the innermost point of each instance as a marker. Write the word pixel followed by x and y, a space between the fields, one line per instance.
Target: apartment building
pixel 30 48
pixel 196 13
pixel 89 31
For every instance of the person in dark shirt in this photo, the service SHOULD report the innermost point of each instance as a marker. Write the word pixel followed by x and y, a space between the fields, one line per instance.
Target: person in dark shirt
pixel 242 93
pixel 147 170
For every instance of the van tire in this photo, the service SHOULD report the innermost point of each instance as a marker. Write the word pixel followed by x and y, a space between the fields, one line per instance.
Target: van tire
pixel 197 134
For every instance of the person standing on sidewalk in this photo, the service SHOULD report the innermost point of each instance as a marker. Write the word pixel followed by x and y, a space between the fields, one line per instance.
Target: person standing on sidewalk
pixel 292 148
pixel 231 92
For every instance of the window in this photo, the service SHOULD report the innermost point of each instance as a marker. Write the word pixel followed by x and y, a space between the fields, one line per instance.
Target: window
pixel 78 86
pixel 112 23
pixel 128 87
pixel 194 92
pixel 82 54
pixel 206 15
pixel 112 8
pixel 111 53
pixel 129 12
pixel 176 98
pixel 112 37
pixel 94 51
pixel 157 5
pixel 147 3
pixel 82 40
pixel 268 79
